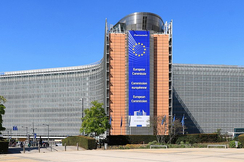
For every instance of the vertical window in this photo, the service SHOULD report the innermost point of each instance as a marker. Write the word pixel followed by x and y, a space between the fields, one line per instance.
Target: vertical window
pixel 144 23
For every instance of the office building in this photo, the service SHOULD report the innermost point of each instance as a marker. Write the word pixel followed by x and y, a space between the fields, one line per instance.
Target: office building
pixel 139 64
pixel 136 82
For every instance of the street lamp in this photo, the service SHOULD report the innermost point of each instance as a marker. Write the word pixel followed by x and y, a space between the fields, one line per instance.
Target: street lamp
pixel 82 108
pixel 33 128
pixel 47 131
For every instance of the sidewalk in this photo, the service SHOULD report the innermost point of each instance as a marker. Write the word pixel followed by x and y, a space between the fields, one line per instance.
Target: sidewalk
pixel 131 155
pixel 28 150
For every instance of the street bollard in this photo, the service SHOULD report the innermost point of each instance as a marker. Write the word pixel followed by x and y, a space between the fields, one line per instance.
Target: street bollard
pixel 65 147
pixel 51 146
pixel 77 146
pixel 24 148
pixel 105 146
pixel 39 148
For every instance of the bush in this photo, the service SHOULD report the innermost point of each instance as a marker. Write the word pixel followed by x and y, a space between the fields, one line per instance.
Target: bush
pixel 130 139
pixel 241 139
pixel 186 139
pixel 232 144
pixel 199 145
pixel 211 137
pixel 153 143
pixel 3 145
pixel 197 138
pixel 83 141
pixel 140 139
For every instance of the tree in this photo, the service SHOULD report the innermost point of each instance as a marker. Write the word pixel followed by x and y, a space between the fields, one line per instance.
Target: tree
pixel 2 112
pixel 95 121
pixel 176 128
pixel 2 99
pixel 160 127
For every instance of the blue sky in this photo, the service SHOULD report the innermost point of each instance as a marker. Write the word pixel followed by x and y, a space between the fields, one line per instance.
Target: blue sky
pixel 38 34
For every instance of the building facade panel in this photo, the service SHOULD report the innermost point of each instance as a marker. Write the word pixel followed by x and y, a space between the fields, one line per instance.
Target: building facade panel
pixel 54 97
pixel 161 78
pixel 117 82
pixel 206 95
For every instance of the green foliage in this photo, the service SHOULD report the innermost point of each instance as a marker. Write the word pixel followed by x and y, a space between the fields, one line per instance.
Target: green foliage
pixel 221 137
pixel 95 120
pixel 211 137
pixel 197 138
pixel 182 145
pixel 232 144
pixel 2 99
pixel 3 145
pixel 139 139
pixel 186 139
pixel 2 111
pixel 180 139
pixel 83 141
pixel 153 143
pixel 218 131
pixel 130 139
pixel 241 139
pixel 199 145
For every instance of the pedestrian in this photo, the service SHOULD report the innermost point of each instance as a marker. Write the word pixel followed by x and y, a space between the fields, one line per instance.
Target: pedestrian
pixel 40 141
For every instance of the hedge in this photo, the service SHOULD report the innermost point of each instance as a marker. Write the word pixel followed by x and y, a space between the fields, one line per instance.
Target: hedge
pixel 139 139
pixel 83 141
pixel 130 139
pixel 3 145
pixel 197 138
pixel 241 139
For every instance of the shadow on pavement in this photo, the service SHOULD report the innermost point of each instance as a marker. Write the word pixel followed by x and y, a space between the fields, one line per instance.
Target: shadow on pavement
pixel 18 150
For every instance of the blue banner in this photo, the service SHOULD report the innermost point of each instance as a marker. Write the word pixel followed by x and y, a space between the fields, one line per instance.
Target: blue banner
pixel 15 128
pixel 139 78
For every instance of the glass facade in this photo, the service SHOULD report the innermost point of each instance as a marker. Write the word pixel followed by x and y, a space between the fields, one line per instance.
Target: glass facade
pixel 210 96
pixel 54 97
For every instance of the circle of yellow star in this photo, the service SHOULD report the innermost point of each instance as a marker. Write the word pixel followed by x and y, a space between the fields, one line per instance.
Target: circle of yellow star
pixel 139 49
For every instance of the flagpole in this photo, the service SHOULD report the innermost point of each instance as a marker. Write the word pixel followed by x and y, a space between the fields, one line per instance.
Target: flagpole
pixel 183 130
pixel 110 122
pixel 121 126
pixel 183 123
pixel 173 124
pixel 129 124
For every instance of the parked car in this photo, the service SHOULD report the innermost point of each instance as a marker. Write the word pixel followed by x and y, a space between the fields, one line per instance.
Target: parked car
pixel 58 144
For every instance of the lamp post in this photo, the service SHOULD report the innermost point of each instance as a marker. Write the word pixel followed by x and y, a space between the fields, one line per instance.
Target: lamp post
pixel 82 108
pixel 33 131
pixel 47 131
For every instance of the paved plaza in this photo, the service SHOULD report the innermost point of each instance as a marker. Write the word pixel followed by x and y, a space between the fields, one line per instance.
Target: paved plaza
pixel 130 155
